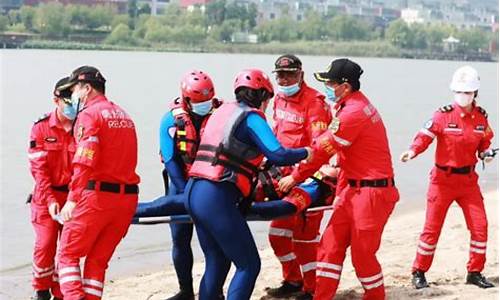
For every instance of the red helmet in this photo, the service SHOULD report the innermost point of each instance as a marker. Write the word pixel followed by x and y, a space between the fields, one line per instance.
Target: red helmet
pixel 197 86
pixel 254 79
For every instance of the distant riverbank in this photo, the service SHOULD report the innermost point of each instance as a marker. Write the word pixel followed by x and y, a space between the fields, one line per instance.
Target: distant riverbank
pixel 351 49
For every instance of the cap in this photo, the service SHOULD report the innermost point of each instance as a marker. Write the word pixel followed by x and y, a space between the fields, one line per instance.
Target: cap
pixel 341 70
pixel 287 63
pixel 60 92
pixel 84 74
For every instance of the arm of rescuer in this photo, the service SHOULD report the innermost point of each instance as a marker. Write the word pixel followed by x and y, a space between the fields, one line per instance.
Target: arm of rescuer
pixel 39 167
pixel 262 136
pixel 84 161
pixel 341 135
pixel 423 138
pixel 485 143
pixel 319 117
pixel 167 151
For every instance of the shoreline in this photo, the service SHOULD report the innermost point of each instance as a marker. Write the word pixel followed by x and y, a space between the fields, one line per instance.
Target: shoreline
pixel 371 49
pixel 447 276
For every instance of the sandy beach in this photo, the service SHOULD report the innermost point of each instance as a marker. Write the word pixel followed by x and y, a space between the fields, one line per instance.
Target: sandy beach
pixel 446 277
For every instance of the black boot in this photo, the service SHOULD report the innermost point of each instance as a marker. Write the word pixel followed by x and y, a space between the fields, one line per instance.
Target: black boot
pixel 183 295
pixel 286 290
pixel 418 279
pixel 476 278
pixel 42 295
pixel 304 296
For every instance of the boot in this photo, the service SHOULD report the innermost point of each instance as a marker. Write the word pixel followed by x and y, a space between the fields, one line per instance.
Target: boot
pixel 304 296
pixel 476 278
pixel 418 279
pixel 182 295
pixel 42 295
pixel 286 289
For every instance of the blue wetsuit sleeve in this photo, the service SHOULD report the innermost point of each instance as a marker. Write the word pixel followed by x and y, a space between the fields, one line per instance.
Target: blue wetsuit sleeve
pixel 167 150
pixel 261 134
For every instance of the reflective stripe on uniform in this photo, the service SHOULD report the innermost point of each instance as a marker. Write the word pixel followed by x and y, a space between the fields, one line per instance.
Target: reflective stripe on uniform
pixel 290 256
pixel 92 291
pixel 329 266
pixel 341 141
pixel 423 252
pixel 427 246
pixel 427 133
pixel 280 232
pixel 38 154
pixel 93 282
pixel 316 240
pixel 67 270
pixel 476 250
pixel 65 279
pixel 478 244
pixel 308 267
pixel 327 274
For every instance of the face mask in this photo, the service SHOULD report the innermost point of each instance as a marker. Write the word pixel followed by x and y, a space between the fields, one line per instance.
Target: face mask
pixel 202 108
pixel 69 111
pixel 330 94
pixel 76 101
pixel 289 90
pixel 463 100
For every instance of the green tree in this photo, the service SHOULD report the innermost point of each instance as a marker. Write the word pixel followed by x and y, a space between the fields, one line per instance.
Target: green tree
pixel 473 39
pixel 348 28
pixel 132 12
pixel 51 20
pixel 399 34
pixel 100 16
pixel 224 31
pixel 118 19
pixel 121 35
pixel 313 27
pixel 144 9
pixel 188 34
pixel 215 12
pixel 282 30
pixel 419 36
pixel 27 16
pixel 436 34
pixel 4 23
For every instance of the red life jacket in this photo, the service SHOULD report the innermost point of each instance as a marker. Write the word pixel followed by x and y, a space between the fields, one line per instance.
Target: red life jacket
pixel 222 157
pixel 187 138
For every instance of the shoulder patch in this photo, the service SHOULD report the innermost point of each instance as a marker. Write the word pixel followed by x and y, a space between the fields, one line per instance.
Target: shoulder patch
pixel 428 124
pixel 482 111
pixel 446 108
pixel 42 117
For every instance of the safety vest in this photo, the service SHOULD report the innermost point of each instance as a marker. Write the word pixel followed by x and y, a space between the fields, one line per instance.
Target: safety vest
pixel 187 138
pixel 222 157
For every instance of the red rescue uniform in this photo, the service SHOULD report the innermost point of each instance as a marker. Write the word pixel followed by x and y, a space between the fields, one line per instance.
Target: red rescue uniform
pixel 366 198
pixel 50 153
pixel 461 136
pixel 298 120
pixel 104 186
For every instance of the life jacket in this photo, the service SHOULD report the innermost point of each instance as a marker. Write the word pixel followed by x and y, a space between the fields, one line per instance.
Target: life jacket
pixel 187 138
pixel 222 157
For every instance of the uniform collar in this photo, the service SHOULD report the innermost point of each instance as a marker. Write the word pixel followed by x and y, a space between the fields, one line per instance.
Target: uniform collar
pixel 54 120
pixel 463 112
pixel 97 98
pixel 342 102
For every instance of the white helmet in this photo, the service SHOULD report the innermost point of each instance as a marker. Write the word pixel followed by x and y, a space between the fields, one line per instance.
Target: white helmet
pixel 465 79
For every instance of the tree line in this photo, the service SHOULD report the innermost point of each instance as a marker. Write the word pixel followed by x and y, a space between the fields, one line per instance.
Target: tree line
pixel 219 21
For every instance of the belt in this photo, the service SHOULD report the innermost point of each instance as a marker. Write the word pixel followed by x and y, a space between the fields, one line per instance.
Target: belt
pixel 385 182
pixel 112 187
pixel 462 170
pixel 60 188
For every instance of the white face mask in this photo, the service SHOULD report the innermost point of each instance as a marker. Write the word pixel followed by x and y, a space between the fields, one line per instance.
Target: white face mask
pixel 463 99
pixel 202 108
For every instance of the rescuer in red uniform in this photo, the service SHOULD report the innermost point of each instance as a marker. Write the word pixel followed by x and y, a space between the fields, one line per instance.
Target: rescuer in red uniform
pixel 300 115
pixel 463 134
pixel 366 192
pixel 50 151
pixel 103 188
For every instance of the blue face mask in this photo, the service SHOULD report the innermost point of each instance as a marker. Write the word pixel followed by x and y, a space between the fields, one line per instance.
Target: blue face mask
pixel 330 94
pixel 289 90
pixel 69 111
pixel 202 108
pixel 76 101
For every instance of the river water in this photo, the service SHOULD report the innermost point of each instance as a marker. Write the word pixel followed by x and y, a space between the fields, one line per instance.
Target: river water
pixel 406 92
